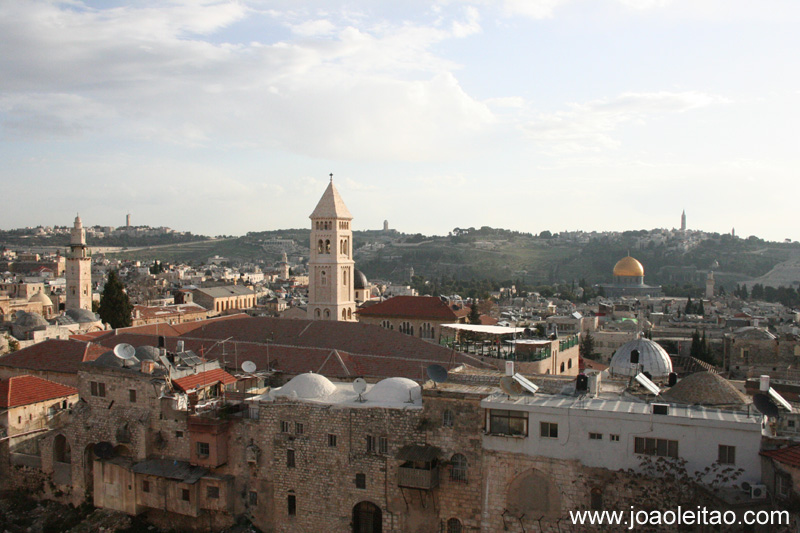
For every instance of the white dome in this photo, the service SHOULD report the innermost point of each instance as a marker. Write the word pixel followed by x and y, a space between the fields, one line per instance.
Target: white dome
pixel 395 390
pixel 308 386
pixel 653 359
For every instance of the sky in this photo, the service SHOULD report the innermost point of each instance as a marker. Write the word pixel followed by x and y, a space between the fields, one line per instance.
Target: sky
pixel 225 117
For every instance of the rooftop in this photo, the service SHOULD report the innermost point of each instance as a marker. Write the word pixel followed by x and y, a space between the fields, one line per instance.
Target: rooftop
pixel 414 307
pixel 26 390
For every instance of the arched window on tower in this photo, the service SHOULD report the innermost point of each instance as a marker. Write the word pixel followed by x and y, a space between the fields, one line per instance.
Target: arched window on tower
pixel 349 314
pixel 458 470
pixel 327 246
pixel 323 278
pixel 320 247
pixel 327 314
pixel 316 313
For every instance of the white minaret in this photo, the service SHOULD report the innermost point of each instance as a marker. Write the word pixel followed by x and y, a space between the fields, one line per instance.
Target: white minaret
pixel 330 266
pixel 79 270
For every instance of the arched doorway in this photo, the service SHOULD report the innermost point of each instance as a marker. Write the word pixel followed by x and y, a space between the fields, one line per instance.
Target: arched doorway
pixel 366 518
pixel 61 450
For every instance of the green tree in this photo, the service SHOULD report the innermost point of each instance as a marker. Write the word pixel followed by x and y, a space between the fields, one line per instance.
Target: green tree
pixel 586 348
pixel 115 306
pixel 474 314
pixel 689 307
pixel 700 308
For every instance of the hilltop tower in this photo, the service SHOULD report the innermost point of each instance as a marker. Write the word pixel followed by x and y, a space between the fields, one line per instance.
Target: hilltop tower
pixel 683 220
pixel 710 285
pixel 331 294
pixel 78 269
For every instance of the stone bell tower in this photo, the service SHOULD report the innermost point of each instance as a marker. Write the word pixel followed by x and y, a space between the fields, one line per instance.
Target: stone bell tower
pixel 78 269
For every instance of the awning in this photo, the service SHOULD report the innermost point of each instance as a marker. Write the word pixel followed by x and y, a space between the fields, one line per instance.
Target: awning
pixel 491 330
pixel 419 453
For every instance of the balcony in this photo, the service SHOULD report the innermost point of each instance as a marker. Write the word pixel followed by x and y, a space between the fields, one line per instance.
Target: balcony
pixel 418 478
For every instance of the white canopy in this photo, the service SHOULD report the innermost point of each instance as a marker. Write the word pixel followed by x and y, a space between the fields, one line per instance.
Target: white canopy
pixel 492 330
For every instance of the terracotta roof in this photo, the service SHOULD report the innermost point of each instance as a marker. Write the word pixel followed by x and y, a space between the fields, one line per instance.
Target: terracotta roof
pixel 54 355
pixel 414 307
pixel 487 320
pixel 25 390
pixel 788 456
pixel 203 379
pixel 331 205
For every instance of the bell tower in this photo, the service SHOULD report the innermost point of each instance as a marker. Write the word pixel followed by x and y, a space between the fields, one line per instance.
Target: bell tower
pixel 78 269
pixel 331 295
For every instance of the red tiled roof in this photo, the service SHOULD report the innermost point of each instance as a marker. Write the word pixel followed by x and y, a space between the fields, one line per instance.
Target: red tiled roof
pixel 588 364
pixel 54 355
pixel 25 390
pixel 788 456
pixel 202 379
pixel 487 320
pixel 414 307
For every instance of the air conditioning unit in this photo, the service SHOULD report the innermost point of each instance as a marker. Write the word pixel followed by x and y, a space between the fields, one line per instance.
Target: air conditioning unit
pixel 758 492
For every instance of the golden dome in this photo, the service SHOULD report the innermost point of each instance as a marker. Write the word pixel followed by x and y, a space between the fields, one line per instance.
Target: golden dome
pixel 628 266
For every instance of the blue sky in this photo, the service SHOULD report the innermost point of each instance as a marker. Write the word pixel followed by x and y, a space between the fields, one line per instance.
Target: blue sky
pixel 227 117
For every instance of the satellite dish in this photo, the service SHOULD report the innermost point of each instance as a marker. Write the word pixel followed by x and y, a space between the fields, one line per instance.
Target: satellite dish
pixel 359 385
pixel 510 386
pixel 437 373
pixel 104 450
pixel 765 405
pixel 124 351
pixel 525 383
pixel 249 367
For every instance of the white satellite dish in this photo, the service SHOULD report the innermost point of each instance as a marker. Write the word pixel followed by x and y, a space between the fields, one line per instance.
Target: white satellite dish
pixel 360 385
pixel 525 383
pixel 249 367
pixel 647 384
pixel 124 351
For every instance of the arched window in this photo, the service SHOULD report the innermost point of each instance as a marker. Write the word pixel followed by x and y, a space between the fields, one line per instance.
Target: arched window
pixel 61 450
pixel 344 314
pixel 447 418
pixel 327 314
pixel 386 324
pixel 327 246
pixel 426 331
pixel 454 525
pixel 349 314
pixel 316 313
pixel 407 328
pixel 367 518
pixel 320 247
pixel 569 363
pixel 458 468
pixel 323 278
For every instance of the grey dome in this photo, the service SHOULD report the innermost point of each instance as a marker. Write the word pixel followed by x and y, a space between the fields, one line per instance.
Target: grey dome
pixel 653 359
pixel 147 353
pixel 82 316
pixel 108 359
pixel 359 280
pixel 706 388
pixel 29 321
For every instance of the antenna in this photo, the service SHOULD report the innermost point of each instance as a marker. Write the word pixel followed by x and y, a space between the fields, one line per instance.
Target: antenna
pixel 510 387
pixel 360 385
pixel 249 367
pixel 765 405
pixel 525 383
pixel 647 384
pixel 437 374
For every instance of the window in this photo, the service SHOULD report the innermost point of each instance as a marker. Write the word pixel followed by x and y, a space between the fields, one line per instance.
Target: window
pixel 212 492
pixel 727 455
pixel 371 444
pixel 203 449
pixel 790 423
pixel 185 496
pixel 145 485
pixel 613 438
pixel 383 445
pixel 284 426
pixel 290 458
pixel 562 367
pixel 291 503
pixel 179 434
pixel 253 497
pixel 458 468
pixel 548 430
pixel 569 363
pixel 361 481
pixel 503 422
pixel 596 503
pixel 97 389
pixel 783 484
pixel 659 447
pixel 298 428
pixel 595 436
pixel 454 525
pixel 447 418
pixel 331 440
pixel 132 395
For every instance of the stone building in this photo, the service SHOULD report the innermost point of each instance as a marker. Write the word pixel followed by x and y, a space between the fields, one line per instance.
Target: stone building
pixel 420 316
pixel 224 299
pixel 756 349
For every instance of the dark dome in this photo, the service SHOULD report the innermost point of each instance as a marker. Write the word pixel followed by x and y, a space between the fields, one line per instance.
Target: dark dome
pixel 82 315
pixel 359 280
pixel 147 353
pixel 108 359
pixel 29 321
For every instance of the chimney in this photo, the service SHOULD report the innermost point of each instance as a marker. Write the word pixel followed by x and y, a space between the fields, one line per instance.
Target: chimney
pixel 764 384
pixel 509 368
pixel 148 366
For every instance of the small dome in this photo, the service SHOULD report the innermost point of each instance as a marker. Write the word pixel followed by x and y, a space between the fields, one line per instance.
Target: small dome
pixel 628 266
pixel 395 390
pixel 109 359
pixel 147 353
pixel 653 359
pixel 28 321
pixel 706 388
pixel 308 386
pixel 81 316
pixel 359 280
pixel 43 298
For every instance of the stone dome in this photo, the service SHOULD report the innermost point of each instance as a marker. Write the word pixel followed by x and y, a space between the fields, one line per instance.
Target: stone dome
pixel 629 267
pixel 109 359
pixel 147 353
pixel 396 390
pixel 28 321
pixel 308 386
pixel 359 280
pixel 42 298
pixel 706 388
pixel 81 316
pixel 653 359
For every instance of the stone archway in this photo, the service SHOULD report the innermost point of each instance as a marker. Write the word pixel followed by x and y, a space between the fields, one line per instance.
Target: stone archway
pixel 367 518
pixel 534 493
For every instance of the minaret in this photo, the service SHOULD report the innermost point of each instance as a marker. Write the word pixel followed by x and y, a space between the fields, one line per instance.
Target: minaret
pixel 79 270
pixel 710 285
pixel 284 266
pixel 331 295
pixel 683 220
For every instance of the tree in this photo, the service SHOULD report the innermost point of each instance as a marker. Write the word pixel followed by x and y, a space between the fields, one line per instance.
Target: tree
pixel 586 348
pixel 689 307
pixel 700 308
pixel 115 306
pixel 474 314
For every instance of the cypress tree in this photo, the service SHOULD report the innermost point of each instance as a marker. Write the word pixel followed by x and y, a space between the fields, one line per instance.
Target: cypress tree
pixel 115 306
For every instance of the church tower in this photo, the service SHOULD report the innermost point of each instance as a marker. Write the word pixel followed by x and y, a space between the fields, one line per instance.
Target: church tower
pixel 683 220
pixel 331 295
pixel 78 269
pixel 710 285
